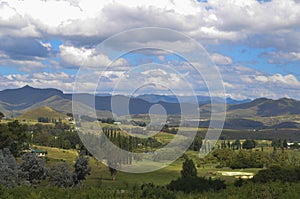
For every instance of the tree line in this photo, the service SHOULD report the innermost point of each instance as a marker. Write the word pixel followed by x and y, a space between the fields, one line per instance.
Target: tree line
pixel 31 171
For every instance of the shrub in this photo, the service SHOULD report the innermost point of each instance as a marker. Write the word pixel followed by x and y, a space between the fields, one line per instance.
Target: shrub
pixel 196 184
pixel 277 173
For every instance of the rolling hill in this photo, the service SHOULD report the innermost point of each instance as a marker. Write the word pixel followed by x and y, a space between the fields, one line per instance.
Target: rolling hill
pixel 265 108
pixel 44 111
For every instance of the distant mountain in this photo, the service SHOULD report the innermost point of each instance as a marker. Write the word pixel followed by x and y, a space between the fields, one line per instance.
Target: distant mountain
pixel 266 107
pixel 234 101
pixel 21 98
pixel 237 124
pixel 153 98
pixel 18 101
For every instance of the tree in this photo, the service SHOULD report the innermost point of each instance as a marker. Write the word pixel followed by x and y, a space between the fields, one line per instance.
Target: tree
pixel 43 138
pixel 197 142
pixel 70 115
pixel 236 145
pixel 277 173
pixel 225 156
pixel 1 116
pixel 82 169
pixel 60 175
pixel 33 168
pixel 13 136
pixel 8 169
pixel 285 144
pixel 114 162
pixel 113 172
pixel 249 144
pixel 188 169
pixel 248 159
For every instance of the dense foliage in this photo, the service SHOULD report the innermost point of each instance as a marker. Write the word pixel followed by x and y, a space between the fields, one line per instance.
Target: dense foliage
pixel 33 168
pixel 249 144
pixel 1 115
pixel 188 169
pixel 8 169
pixel 277 173
pixel 60 175
pixel 82 169
pixel 13 136
pixel 196 184
pixel 241 159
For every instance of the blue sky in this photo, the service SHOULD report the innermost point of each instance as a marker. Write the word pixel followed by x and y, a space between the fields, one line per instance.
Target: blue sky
pixel 44 43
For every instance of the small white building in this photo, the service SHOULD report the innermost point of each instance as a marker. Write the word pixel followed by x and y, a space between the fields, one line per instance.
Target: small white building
pixel 39 152
pixel 289 144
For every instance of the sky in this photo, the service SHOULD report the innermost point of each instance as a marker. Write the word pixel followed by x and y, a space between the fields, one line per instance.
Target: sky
pixel 255 45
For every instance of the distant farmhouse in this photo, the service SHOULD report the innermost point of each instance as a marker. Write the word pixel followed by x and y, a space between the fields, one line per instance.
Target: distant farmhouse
pixel 292 144
pixel 39 152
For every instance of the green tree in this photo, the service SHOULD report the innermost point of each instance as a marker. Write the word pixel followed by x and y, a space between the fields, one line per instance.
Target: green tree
pixel 188 169
pixel 13 136
pixel 60 175
pixel 33 168
pixel 249 144
pixel 236 145
pixel 82 169
pixel 1 116
pixel 225 156
pixel 197 142
pixel 8 169
pixel 70 114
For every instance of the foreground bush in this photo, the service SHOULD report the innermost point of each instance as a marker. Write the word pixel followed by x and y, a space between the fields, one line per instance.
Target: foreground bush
pixel 152 191
pixel 249 190
pixel 196 184
pixel 277 173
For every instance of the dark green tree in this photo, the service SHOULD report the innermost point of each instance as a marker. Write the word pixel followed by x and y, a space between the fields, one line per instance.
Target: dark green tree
pixel 33 168
pixel 1 116
pixel 82 169
pixel 196 184
pixel 8 169
pixel 197 142
pixel 236 145
pixel 249 144
pixel 188 169
pixel 13 136
pixel 60 175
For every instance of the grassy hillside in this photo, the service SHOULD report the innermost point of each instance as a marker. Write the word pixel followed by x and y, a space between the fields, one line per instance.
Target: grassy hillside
pixel 45 111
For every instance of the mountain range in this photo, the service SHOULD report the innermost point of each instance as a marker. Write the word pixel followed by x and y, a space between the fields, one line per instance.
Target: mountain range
pixel 20 100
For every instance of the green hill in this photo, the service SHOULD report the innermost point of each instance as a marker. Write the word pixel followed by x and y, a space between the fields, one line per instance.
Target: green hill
pixel 45 112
